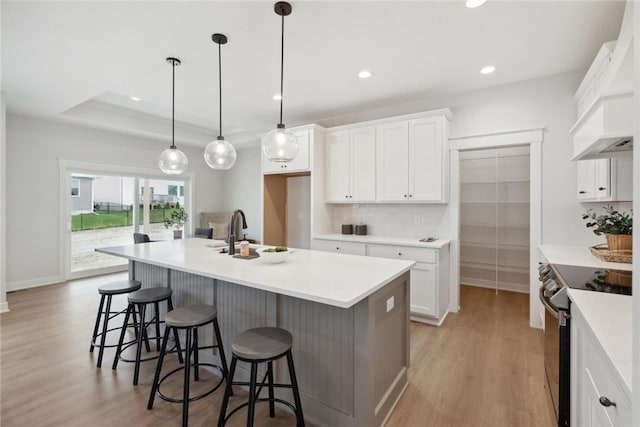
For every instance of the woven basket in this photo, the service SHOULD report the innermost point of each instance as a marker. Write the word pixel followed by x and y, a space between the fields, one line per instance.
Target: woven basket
pixel 619 242
pixel 603 253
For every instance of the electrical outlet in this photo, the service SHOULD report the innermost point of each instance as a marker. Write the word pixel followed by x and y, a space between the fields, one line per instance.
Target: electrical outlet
pixel 390 304
pixel 416 219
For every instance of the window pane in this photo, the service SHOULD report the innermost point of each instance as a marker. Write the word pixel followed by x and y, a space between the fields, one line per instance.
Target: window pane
pixel 172 190
pixel 75 187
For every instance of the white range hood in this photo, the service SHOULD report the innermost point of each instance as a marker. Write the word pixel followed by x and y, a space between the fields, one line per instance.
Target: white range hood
pixel 605 100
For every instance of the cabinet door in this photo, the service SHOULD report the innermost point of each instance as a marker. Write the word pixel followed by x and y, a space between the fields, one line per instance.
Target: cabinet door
pixel 602 178
pixel 585 179
pixel 392 145
pixel 426 160
pixel 337 169
pixel 423 289
pixel 595 415
pixel 299 164
pixel 362 163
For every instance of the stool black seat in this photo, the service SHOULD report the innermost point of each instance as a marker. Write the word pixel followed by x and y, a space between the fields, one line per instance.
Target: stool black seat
pixel 189 318
pixel 255 346
pixel 141 299
pixel 107 292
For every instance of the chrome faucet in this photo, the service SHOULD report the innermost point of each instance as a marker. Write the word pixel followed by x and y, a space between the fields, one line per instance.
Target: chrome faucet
pixel 232 229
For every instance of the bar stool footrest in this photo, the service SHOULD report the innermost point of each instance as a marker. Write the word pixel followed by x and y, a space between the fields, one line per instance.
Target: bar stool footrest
pixel 200 396
pixel 262 399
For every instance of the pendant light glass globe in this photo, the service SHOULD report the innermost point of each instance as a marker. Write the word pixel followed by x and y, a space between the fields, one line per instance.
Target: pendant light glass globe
pixel 173 161
pixel 280 145
pixel 219 154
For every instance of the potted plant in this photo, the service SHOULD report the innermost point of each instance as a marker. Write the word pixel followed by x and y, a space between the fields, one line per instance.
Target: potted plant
pixel 177 220
pixel 616 226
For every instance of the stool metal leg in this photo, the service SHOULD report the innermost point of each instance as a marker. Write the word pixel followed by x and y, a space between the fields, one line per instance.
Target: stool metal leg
pixel 252 393
pixel 187 374
pixel 157 308
pixel 124 329
pixel 136 369
pixel 296 393
pixel 103 338
pixel 175 332
pixel 227 392
pixel 272 411
pixel 95 328
pixel 156 378
pixel 223 358
pixel 196 369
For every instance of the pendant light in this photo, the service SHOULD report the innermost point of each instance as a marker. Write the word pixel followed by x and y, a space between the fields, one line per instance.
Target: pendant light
pixel 219 154
pixel 173 161
pixel 280 145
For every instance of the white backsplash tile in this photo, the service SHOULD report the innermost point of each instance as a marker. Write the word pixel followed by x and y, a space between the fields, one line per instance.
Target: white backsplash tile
pixel 395 220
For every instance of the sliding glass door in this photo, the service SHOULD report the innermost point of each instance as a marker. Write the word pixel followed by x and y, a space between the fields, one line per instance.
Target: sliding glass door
pixel 107 209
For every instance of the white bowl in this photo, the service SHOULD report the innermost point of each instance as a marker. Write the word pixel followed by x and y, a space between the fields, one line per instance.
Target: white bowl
pixel 272 257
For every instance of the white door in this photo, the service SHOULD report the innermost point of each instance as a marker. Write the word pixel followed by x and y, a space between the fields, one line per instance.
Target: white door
pixel 363 164
pixel 337 154
pixel 425 160
pixel 602 181
pixel 585 179
pixel 423 289
pixel 392 145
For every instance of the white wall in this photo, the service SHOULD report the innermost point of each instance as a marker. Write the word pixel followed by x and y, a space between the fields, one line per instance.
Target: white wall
pixel 242 189
pixel 34 148
pixel 3 207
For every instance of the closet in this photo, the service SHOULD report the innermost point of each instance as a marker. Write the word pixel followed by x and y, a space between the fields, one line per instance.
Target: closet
pixel 494 218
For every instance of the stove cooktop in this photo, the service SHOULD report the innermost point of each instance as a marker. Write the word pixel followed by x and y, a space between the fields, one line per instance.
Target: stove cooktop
pixel 594 279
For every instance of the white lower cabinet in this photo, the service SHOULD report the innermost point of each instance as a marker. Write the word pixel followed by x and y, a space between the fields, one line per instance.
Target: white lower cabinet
pixel 429 292
pixel 598 398
pixel 339 247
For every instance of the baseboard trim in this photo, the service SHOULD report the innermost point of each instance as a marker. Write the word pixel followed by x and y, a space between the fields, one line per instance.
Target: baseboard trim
pixel 33 283
pixel 4 307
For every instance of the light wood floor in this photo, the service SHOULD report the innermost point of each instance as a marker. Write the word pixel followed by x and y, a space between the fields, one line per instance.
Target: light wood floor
pixel 483 367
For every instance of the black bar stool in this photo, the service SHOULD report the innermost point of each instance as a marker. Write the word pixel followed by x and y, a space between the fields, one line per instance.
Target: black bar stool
pixel 106 294
pixel 189 319
pixel 256 346
pixel 140 299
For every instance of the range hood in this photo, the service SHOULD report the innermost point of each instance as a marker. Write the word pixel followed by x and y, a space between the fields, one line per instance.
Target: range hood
pixel 606 130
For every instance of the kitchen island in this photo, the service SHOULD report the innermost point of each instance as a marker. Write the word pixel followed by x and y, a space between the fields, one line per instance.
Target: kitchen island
pixel 349 317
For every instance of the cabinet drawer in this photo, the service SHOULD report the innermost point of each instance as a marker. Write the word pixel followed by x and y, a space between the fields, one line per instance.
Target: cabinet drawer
pixel 604 384
pixel 339 247
pixel 403 252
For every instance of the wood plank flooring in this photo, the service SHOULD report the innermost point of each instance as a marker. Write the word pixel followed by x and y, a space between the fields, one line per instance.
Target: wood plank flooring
pixel 483 367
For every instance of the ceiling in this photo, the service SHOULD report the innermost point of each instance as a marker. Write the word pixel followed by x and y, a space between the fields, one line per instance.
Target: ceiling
pixel 81 61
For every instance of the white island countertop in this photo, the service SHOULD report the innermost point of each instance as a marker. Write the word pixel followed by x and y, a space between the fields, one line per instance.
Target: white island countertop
pixel 578 255
pixel 609 316
pixel 335 279
pixel 384 240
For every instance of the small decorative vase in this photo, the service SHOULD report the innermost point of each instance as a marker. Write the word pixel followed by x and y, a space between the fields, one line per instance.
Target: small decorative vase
pixel 619 242
pixel 177 234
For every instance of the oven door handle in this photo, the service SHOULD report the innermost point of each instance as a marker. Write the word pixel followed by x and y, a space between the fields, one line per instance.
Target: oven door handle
pixel 553 311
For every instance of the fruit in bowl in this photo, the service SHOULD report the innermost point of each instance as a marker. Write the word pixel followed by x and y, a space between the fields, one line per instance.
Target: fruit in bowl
pixel 273 255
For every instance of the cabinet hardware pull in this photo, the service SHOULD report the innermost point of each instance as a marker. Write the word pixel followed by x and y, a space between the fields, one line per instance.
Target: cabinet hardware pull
pixel 399 253
pixel 337 248
pixel 582 192
pixel 602 188
pixel 410 195
pixel 604 401
pixel 405 196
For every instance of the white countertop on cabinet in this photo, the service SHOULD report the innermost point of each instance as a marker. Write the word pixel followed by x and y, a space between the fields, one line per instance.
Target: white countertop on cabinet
pixel 335 279
pixel 384 240
pixel 579 256
pixel 609 316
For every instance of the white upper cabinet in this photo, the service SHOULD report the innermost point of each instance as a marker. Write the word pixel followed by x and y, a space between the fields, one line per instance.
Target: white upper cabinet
pixel 299 164
pixel 413 160
pixel 605 180
pixel 351 163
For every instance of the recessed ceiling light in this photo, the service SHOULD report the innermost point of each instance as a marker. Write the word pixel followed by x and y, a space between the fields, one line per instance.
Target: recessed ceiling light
pixel 475 3
pixel 277 97
pixel 364 74
pixel 135 98
pixel 487 69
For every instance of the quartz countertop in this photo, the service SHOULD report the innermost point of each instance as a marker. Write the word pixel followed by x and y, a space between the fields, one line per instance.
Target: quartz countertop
pixel 335 279
pixel 579 256
pixel 609 316
pixel 384 240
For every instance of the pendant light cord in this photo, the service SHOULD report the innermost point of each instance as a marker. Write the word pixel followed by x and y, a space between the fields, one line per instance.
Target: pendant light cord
pixel 173 106
pixel 281 69
pixel 220 85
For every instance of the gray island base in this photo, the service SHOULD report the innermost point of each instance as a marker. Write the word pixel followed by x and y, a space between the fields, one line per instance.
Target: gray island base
pixel 350 347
